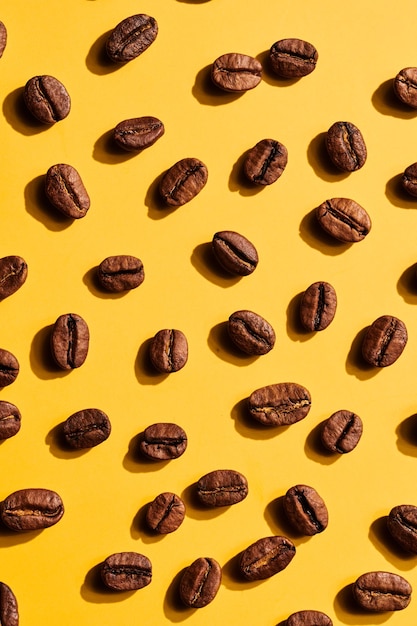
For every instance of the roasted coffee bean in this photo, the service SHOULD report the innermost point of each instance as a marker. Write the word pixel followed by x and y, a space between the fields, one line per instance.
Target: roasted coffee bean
pixel 305 510
pixel 405 86
pixel 344 219
pixel 9 613
pixel 200 582
pixel 279 405
pixel 10 420
pixel 166 513
pixel 265 162
pixel 346 146
pixel 183 181
pixel 47 99
pixel 293 58
pixel 318 306
pixel 402 525
pixel 236 254
pixel 9 368
pixel 66 191
pixel 86 428
pixel 236 72
pixel 251 333
pixel 308 618
pixel 222 488
pixel 341 432
pixel 120 273
pixel 266 557
pixel 31 509
pixel 131 37
pixel 382 591
pixel 169 350
pixel 163 441
pixel 126 571
pixel 3 38
pixel 384 341
pixel 13 273
pixel 70 341
pixel 138 133
pixel 409 179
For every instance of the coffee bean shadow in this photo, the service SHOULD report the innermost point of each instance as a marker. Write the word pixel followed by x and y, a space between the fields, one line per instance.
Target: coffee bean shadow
pixel 316 237
pixel 407 284
pixel 94 590
pixel 197 510
pixel 145 372
pixel 58 445
pixel 107 151
pixel 174 609
pixel 136 462
pixel 278 522
pixel 140 530
pixel 315 449
pixel 10 538
pixel 295 329
pixel 41 360
pixel 232 577
pixel 157 208
pixel 383 541
pixel 206 92
pixel 356 364
pixel 319 160
pixel 397 195
pixel 220 343
pixel 90 279
pixel 205 263
pixel 407 436
pixel 97 61
pixel 18 116
pixel 248 427
pixel 349 612
pixel 39 207
pixel 239 182
pixel 386 102
pixel 268 74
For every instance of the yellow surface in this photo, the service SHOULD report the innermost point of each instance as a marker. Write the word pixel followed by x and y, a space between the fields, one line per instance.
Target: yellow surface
pixel 361 45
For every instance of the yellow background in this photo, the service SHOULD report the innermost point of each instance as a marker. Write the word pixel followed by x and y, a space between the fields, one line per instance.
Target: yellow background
pixel 361 46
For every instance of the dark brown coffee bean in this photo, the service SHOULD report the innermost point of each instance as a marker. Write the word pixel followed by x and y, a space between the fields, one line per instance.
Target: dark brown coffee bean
pixel 166 513
pixel 120 273
pixel 138 133
pixel 382 591
pixel 9 613
pixel 86 428
pixel 279 405
pixel 402 525
pixel 409 179
pixel 66 191
pixel 10 420
pixel 31 509
pixel 236 254
pixel 341 432
pixel 344 219
pixel 265 162
pixel 13 274
pixel 236 72
pixel 3 38
pixel 163 441
pixel 405 86
pixel 318 306
pixel 131 37
pixel 70 341
pixel 293 58
pixel 200 582
pixel 384 341
pixel 183 181
pixel 169 350
pixel 266 557
pixel 126 571
pixel 251 333
pixel 309 618
pixel 346 146
pixel 9 368
pixel 47 99
pixel 305 510
pixel 222 488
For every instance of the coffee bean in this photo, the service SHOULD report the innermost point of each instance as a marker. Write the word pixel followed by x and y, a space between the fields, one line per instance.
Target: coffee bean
pixel 66 191
pixel 236 254
pixel 346 146
pixel 126 571
pixel 305 510
pixel 251 333
pixel 200 582
pixel 9 613
pixel 265 162
pixel 138 133
pixel 409 179
pixel 10 420
pixel 281 404
pixel 9 368
pixel 47 99
pixel 341 432
pixel 31 509
pixel 308 618
pixel 169 350
pixel 405 86
pixel 163 441
pixel 293 58
pixel 236 72
pixel 166 513
pixel 402 525
pixel 222 488
pixel 382 591
pixel 120 273
pixel 3 38
pixel 344 219
pixel 131 37
pixel 183 181
pixel 70 341
pixel 266 557
pixel 318 306
pixel 86 428
pixel 13 274
pixel 384 341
